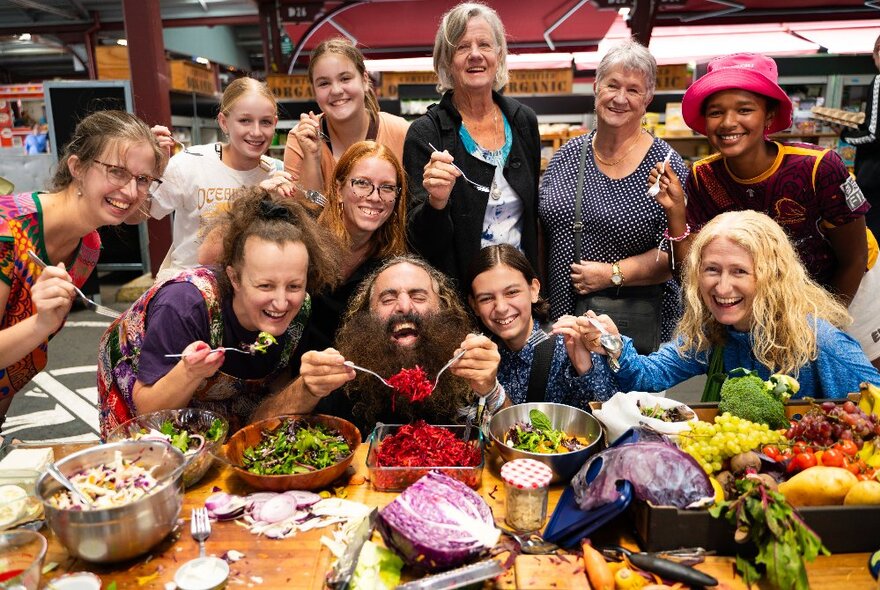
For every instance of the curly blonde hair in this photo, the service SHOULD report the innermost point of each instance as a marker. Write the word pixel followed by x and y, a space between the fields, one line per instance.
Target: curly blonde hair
pixel 388 240
pixel 788 304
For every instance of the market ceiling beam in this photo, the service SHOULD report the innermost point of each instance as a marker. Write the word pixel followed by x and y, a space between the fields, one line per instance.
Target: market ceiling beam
pixel 641 20
pixel 83 13
pixel 54 10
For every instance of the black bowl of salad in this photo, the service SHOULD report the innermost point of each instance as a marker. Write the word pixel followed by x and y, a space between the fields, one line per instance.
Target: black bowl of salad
pixel 560 436
pixel 195 432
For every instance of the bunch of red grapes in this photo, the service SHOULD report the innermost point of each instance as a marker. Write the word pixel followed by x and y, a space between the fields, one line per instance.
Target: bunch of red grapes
pixel 829 423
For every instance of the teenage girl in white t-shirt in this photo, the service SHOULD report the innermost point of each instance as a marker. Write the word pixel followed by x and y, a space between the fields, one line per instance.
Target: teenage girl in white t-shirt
pixel 200 180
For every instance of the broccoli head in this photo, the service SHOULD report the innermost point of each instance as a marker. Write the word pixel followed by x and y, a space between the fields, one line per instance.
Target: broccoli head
pixel 747 397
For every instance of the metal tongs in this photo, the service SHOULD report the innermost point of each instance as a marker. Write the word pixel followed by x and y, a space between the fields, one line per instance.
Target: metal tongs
pixel 670 565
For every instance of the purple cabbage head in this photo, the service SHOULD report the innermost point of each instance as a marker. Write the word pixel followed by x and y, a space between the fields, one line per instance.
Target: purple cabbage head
pixel 659 473
pixel 438 523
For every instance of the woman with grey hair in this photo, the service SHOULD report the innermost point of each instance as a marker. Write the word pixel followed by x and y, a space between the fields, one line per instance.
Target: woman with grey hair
pixel 617 260
pixel 477 152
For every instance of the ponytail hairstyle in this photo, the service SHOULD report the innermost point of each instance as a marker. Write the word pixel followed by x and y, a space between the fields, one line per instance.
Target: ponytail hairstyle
pixel 102 132
pixel 505 254
pixel 345 48
pixel 242 86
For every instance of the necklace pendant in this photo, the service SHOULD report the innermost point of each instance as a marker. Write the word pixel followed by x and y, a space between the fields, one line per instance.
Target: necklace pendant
pixel 495 193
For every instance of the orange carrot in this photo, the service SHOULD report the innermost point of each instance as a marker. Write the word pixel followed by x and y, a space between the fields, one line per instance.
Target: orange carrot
pixel 598 572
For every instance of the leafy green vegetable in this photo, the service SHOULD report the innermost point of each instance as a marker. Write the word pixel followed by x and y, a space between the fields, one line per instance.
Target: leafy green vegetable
pixel 179 437
pixel 264 341
pixel 215 431
pixel 783 541
pixel 295 447
pixel 539 436
pixel 540 420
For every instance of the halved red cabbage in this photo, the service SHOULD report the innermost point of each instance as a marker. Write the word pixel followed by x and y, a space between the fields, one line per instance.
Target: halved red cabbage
pixel 438 523
pixel 660 474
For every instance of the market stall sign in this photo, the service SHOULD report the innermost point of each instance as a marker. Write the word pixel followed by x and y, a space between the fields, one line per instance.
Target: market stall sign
pixel 298 12
pixel 673 77
pixel 295 87
pixel 523 82
pixel 187 76
pixel 391 82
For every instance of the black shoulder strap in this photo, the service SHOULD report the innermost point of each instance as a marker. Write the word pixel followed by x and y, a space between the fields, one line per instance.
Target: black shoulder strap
pixel 577 228
pixel 540 371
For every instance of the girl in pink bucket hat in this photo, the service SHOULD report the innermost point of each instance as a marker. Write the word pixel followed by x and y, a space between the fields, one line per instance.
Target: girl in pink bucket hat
pixel 805 188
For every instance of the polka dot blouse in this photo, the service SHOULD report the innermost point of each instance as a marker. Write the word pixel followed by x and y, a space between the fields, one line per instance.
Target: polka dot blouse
pixel 620 220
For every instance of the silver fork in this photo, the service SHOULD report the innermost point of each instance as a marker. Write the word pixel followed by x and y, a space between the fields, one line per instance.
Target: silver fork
pixel 446 366
pixel 537 338
pixel 376 375
pixel 654 189
pixel 200 528
pixel 98 309
pixel 312 195
pixel 476 185
pixel 218 349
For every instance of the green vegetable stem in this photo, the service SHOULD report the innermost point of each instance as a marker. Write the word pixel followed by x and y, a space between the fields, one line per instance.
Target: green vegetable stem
pixel 783 541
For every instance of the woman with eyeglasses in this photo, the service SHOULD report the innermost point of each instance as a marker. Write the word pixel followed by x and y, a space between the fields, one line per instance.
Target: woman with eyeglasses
pixel 620 255
pixel 106 173
pixel 366 211
pixel 478 152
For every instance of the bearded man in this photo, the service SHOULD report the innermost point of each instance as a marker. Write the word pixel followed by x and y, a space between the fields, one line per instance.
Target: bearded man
pixel 405 313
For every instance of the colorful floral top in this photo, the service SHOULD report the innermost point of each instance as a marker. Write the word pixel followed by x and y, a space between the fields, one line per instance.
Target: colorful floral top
pixel 21 229
pixel 233 397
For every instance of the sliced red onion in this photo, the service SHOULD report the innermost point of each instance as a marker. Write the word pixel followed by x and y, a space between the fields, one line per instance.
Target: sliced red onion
pixel 217 500
pixel 303 498
pixel 277 509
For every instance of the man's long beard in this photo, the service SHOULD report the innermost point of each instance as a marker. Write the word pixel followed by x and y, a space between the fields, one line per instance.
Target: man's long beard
pixel 366 341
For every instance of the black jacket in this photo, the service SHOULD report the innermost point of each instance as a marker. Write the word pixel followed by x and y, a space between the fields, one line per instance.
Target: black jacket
pixel 449 239
pixel 867 141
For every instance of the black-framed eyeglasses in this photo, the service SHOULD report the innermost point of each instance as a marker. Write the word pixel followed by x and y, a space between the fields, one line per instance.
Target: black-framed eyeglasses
pixel 363 188
pixel 120 177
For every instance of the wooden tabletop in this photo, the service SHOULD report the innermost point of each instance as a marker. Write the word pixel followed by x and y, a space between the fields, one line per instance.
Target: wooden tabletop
pixel 302 561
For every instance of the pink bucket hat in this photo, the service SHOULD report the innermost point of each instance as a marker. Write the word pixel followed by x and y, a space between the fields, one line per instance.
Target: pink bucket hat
pixel 739 71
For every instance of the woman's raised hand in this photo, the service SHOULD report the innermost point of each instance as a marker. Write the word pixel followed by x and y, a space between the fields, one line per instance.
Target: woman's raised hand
pixel 671 196
pixel 52 295
pixel 439 178
pixel 200 362
pixel 280 183
pixel 308 134
pixel 163 138
pixel 575 346
pixel 592 327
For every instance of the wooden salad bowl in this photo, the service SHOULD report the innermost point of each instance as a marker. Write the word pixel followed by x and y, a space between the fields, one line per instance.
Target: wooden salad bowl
pixel 249 436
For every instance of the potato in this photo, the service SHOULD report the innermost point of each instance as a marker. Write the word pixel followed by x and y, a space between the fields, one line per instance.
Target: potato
pixel 864 492
pixel 818 486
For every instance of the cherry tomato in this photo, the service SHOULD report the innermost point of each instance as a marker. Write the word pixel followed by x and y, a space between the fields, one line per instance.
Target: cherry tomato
pixel 847 447
pixel 773 452
pixel 803 461
pixel 801 447
pixel 832 458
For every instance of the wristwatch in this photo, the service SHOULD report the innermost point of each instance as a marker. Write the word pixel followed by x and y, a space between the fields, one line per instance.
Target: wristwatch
pixel 616 274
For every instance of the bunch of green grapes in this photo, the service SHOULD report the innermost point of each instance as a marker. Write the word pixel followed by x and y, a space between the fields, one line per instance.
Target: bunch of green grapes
pixel 712 444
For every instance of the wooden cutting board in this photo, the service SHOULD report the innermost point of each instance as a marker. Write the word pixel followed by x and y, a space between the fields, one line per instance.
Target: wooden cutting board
pixel 544 572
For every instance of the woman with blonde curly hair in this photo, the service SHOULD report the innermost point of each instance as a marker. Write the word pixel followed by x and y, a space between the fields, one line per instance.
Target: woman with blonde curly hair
pixel 749 303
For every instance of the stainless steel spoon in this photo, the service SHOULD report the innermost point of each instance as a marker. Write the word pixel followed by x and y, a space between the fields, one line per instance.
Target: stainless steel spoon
pixel 56 473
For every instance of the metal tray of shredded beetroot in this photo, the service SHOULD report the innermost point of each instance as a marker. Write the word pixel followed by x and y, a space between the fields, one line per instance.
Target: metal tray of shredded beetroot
pixel 395 479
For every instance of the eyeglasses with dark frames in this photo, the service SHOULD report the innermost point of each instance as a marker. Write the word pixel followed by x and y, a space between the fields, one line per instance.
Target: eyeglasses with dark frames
pixel 120 177
pixel 363 188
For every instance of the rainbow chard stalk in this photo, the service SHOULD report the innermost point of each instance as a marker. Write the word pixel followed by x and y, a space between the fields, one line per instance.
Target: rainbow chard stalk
pixel 783 541
pixel 264 341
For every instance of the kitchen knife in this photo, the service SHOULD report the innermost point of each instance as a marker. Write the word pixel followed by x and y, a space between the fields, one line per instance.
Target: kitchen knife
pixel 671 570
pixel 457 578
pixel 340 578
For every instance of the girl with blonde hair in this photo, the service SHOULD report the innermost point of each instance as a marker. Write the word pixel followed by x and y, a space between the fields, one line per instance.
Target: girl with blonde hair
pixel 749 303
pixel 201 180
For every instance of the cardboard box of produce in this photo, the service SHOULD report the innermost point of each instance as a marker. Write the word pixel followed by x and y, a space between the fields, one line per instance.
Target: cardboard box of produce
pixel 843 529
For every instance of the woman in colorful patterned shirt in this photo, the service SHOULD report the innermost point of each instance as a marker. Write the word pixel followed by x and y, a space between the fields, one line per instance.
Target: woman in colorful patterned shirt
pixel 803 187
pixel 105 174
pixel 273 251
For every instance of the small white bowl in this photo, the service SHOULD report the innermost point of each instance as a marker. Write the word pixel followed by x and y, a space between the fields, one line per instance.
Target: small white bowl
pixel 76 581
pixel 202 573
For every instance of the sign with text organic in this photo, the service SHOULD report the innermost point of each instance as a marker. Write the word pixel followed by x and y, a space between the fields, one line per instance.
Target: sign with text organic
pixel 187 76
pixel 295 87
pixel 523 82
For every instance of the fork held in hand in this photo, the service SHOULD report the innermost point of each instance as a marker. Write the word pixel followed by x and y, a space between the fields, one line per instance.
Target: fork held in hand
pixel 476 185
pixel 218 349
pixel 376 375
pixel 446 366
pixel 200 528
pixel 98 309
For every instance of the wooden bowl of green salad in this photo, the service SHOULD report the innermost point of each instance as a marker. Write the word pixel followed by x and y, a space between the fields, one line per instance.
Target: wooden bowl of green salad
pixel 292 452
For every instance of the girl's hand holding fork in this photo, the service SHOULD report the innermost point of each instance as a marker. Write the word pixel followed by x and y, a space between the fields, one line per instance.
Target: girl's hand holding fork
pixel 479 365
pixel 575 346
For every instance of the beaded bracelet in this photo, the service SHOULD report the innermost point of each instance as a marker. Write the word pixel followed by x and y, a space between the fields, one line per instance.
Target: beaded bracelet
pixel 667 238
